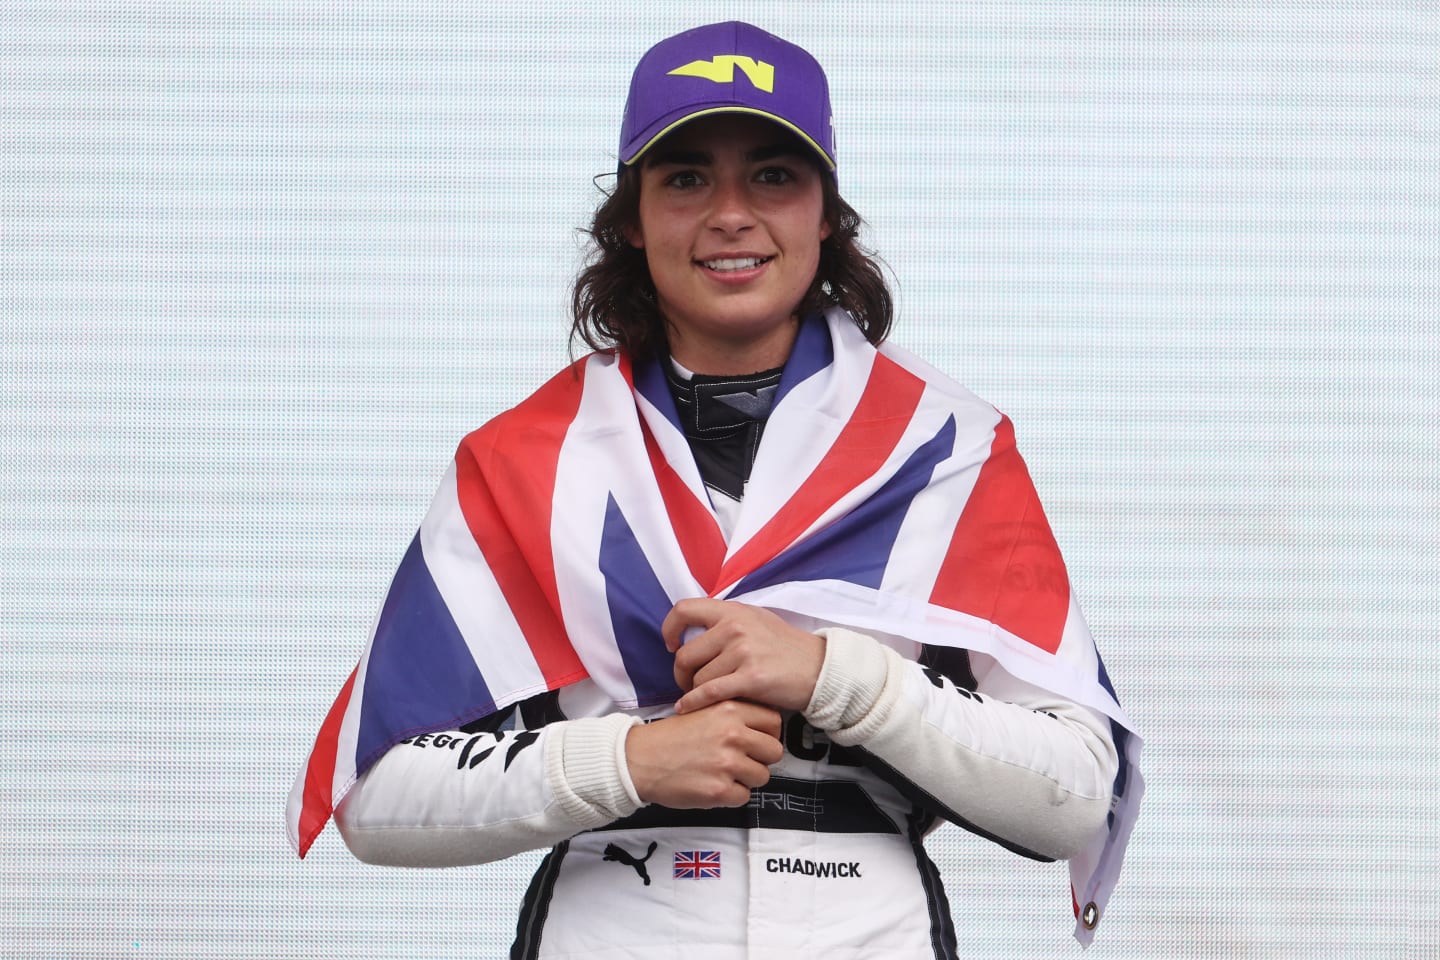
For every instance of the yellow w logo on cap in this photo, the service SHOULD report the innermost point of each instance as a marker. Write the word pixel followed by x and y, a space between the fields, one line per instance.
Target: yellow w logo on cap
pixel 721 69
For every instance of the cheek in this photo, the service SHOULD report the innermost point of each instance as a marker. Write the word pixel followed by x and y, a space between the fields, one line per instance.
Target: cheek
pixel 634 233
pixel 821 235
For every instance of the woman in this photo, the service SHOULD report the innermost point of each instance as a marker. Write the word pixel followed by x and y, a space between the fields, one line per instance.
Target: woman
pixel 736 609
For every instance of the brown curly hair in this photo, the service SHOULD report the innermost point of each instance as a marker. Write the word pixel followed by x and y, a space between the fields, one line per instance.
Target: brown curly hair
pixel 613 300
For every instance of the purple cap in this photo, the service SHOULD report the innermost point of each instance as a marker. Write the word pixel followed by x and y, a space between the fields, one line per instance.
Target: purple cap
pixel 726 68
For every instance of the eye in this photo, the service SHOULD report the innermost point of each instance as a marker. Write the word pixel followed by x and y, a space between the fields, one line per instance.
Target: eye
pixel 683 179
pixel 775 176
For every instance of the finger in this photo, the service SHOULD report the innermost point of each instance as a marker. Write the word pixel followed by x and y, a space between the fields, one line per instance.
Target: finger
pixel 763 748
pixel 705 695
pixel 710 660
pixel 738 670
pixel 698 656
pixel 678 627
pixel 754 774
pixel 770 751
pixel 690 660
pixel 722 677
pixel 760 718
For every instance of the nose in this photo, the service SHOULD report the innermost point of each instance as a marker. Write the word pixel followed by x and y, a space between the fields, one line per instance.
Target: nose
pixel 730 210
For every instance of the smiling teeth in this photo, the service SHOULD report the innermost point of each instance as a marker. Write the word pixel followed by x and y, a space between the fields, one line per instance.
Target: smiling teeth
pixel 725 266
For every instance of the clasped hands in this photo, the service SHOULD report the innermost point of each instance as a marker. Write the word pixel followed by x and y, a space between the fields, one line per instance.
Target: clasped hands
pixel 741 667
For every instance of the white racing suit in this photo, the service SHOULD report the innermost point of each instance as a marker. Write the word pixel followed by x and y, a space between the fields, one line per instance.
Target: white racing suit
pixel 884 498
pixel 826 859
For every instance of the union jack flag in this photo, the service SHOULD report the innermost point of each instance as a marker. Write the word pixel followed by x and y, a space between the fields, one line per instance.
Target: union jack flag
pixel 697 865
pixel 884 497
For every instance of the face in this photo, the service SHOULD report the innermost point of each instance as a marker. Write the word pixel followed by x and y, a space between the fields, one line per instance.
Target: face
pixel 731 220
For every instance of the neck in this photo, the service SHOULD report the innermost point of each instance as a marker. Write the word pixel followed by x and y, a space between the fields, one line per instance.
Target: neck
pixel 719 356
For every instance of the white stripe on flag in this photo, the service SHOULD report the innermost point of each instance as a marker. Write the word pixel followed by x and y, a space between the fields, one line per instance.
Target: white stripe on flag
pixel 673 447
pixel 924 536
pixel 583 483
pixel 863 609
pixel 464 580
pixel 801 430
pixel 349 735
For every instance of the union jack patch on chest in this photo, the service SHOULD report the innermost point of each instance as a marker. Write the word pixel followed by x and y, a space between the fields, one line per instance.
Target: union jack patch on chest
pixel 697 864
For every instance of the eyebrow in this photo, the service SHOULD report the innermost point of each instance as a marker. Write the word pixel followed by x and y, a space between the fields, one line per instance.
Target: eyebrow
pixel 699 158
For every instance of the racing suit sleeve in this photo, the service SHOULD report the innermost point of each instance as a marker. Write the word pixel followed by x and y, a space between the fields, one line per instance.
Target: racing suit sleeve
pixel 993 754
pixel 1006 760
pixel 476 795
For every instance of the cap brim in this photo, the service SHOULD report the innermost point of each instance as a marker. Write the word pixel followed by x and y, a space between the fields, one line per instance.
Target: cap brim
pixel 728 108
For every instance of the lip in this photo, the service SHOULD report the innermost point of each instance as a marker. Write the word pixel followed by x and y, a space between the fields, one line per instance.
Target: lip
pixel 742 275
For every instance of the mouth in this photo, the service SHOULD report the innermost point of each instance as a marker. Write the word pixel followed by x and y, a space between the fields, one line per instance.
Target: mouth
pixel 733 264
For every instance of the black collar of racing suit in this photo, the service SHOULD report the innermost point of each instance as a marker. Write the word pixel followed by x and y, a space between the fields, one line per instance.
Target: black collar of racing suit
pixel 723 418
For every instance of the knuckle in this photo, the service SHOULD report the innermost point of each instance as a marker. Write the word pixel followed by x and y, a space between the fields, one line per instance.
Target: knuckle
pixel 726 795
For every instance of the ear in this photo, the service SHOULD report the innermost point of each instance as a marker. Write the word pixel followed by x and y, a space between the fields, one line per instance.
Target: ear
pixel 635 236
pixel 825 230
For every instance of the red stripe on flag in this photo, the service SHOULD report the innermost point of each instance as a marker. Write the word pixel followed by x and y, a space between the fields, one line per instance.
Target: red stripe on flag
pixel 884 411
pixel 507 501
pixel 316 801
pixel 701 542
pixel 1003 564
pixel 695 528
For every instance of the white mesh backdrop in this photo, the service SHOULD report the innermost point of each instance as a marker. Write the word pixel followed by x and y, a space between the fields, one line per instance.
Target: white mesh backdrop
pixel 263 263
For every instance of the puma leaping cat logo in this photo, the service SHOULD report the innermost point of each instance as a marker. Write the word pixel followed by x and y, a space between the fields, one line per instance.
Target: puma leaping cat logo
pixel 620 855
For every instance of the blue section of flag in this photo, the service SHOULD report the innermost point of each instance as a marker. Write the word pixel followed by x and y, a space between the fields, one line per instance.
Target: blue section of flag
pixel 856 548
pixel 650 384
pixel 418 668
pixel 812 353
pixel 638 603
